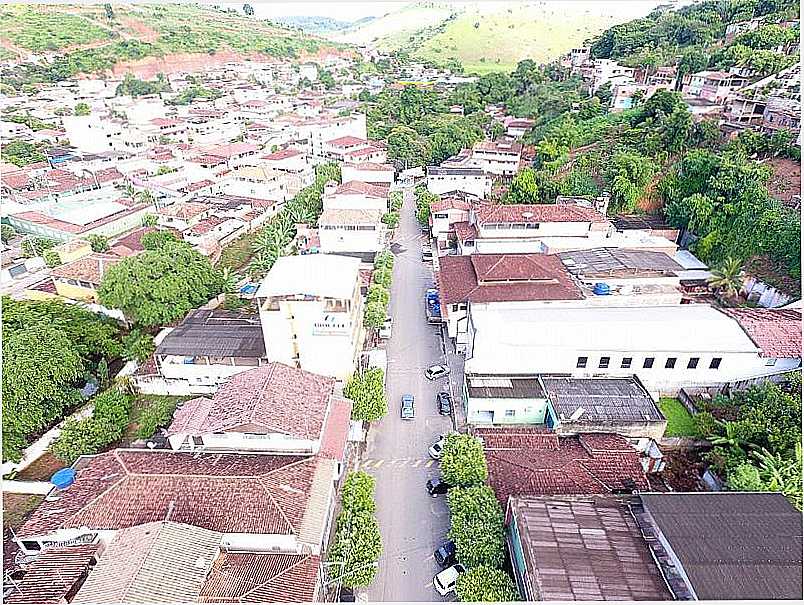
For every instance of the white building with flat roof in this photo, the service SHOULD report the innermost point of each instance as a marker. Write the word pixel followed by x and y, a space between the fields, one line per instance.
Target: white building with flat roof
pixel 311 312
pixel 666 347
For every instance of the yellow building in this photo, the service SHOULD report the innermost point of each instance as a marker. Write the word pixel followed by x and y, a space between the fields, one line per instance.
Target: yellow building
pixel 79 280
pixel 73 250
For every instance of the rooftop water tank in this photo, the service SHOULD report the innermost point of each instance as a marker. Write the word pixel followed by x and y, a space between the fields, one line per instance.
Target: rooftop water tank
pixel 601 289
pixel 63 478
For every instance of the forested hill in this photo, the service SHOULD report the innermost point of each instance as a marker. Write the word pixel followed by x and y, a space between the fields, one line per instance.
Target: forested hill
pixel 96 38
pixel 695 37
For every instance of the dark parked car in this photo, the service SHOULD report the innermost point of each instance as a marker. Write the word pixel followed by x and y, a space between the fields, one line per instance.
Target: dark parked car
pixel 444 403
pixel 445 555
pixel 437 486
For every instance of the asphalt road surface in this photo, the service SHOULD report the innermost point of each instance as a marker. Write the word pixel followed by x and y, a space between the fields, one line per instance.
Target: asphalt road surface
pixel 412 523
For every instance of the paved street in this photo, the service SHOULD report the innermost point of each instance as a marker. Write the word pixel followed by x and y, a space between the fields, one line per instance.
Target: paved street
pixel 412 523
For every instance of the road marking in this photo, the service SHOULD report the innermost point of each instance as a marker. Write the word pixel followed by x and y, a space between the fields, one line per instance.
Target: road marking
pixel 378 464
pixel 397 463
pixel 416 463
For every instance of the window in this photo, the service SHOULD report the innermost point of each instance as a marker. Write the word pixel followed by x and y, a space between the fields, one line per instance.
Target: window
pixel 604 362
pixel 648 363
pixel 30 545
pixel 670 363
pixel 510 413
pixel 770 362
pixel 626 362
pixel 582 362
pixel 715 363
pixel 693 363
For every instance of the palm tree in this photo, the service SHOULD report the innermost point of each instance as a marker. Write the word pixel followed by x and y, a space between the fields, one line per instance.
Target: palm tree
pixel 731 438
pixel 261 264
pixel 728 278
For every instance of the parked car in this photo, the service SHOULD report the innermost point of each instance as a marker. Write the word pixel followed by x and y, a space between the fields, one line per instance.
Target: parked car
pixel 446 580
pixel 437 486
pixel 427 253
pixel 445 554
pixel 385 329
pixel 408 413
pixel 437 449
pixel 444 403
pixel 437 371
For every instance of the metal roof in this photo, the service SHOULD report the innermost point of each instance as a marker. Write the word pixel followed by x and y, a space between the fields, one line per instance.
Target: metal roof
pixel 610 261
pixel 601 399
pixel 217 334
pixel 501 387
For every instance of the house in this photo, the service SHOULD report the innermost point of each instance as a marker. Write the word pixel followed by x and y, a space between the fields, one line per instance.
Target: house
pixel 444 213
pixel 713 86
pixel 368 172
pixel 606 70
pixel 666 347
pixel 311 311
pixel 338 148
pixel 272 409
pixel 255 182
pixel 518 128
pixel 724 545
pixel 80 279
pixel 182 215
pixel 529 228
pixel 352 232
pixel 468 179
pixel 355 195
pixel 72 250
pixel 580 548
pixel 202 352
pixel 500 157
pixel 528 461
pixel 54 576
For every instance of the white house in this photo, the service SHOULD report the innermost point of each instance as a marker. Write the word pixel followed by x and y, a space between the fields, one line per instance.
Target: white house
pixel 355 195
pixel 444 213
pixel 272 409
pixel 351 231
pixel 182 215
pixel 606 70
pixel 472 180
pixel 368 172
pixel 311 312
pixel 667 348
pixel 499 157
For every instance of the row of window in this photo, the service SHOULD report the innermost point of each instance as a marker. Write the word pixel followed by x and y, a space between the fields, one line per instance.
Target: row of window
pixel 506 226
pixel 649 362
pixel 349 227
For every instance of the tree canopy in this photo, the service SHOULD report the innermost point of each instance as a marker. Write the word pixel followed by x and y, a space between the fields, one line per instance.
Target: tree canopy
pixel 463 462
pixel 476 526
pixel 366 389
pixel 484 584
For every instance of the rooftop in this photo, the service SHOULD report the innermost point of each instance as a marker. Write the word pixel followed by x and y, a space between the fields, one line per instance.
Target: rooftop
pixel 536 213
pixel 270 399
pixel 55 574
pixel 318 275
pixel 529 461
pixel 123 488
pixel 349 216
pixel 90 268
pixel 184 210
pixel 282 154
pixel 215 333
pixel 361 188
pixel 601 400
pixel 500 387
pixel 777 332
pixel 619 262
pixel 732 545
pixel 505 277
pixel 347 141
pixel 585 548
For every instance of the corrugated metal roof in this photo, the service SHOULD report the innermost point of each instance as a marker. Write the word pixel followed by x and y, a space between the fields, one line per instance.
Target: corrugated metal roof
pixel 602 399
pixel 216 334
pixel 153 563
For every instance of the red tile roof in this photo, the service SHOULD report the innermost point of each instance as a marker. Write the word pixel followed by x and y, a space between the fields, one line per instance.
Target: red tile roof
pixel 261 578
pixel 347 142
pixel 361 188
pixel 166 122
pixel 282 154
pixel 271 398
pixel 90 268
pixel 336 429
pixel 536 213
pixel 244 493
pixel 131 242
pixel 53 575
pixel 505 277
pixel 365 151
pixel 199 185
pixel 776 331
pixel 230 150
pixel 370 166
pixel 465 231
pixel 532 461
pixel 184 210
pixel 450 203
pixel 206 225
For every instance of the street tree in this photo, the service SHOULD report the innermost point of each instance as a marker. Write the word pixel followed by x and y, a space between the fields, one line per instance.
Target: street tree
pixel 366 390
pixel 374 314
pixel 463 462
pixel 484 584
pixel 476 526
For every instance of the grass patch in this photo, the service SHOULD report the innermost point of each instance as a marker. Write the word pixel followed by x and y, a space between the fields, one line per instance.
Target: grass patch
pixel 680 422
pixel 17 508
pixel 237 255
pixel 148 413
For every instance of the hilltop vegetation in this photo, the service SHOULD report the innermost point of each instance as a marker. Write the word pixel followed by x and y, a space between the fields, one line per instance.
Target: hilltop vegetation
pixel 491 36
pixel 92 40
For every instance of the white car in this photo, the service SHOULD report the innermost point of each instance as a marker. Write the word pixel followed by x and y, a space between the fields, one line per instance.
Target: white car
pixel 437 371
pixel 385 330
pixel 437 449
pixel 446 580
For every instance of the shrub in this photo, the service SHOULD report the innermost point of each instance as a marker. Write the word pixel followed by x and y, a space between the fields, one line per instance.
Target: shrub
pixel 374 315
pixel 485 585
pixel 138 346
pixel 158 414
pixel 52 258
pixel 382 277
pixel 391 219
pixel 378 293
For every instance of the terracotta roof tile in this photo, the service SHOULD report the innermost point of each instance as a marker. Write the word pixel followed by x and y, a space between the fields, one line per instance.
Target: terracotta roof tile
pixel 465 231
pixel 532 461
pixel 776 331
pixel 90 268
pixel 336 429
pixel 536 213
pixel 347 142
pixel 361 188
pixel 184 209
pixel 53 575
pixel 282 154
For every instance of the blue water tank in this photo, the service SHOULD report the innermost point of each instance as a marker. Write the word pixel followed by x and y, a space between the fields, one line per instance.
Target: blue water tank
pixel 601 289
pixel 63 478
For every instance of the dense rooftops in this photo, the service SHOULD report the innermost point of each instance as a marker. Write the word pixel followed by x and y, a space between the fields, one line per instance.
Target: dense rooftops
pixel 536 213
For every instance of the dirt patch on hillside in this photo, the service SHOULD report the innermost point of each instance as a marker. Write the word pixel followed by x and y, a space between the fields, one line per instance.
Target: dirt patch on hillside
pixel 148 67
pixel 785 182
pixel 139 30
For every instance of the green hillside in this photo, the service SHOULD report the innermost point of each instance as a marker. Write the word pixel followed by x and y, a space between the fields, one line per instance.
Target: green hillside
pixel 492 36
pixel 90 41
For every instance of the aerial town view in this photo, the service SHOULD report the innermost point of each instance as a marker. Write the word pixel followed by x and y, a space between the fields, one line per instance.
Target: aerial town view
pixel 401 301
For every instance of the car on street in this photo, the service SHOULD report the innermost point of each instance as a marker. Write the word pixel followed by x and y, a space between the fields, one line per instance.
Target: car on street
pixel 445 554
pixel 427 253
pixel 444 403
pixel 446 580
pixel 437 371
pixel 408 413
pixel 437 449
pixel 385 329
pixel 437 486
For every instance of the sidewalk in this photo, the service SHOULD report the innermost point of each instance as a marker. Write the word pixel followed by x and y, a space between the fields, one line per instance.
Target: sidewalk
pixel 455 363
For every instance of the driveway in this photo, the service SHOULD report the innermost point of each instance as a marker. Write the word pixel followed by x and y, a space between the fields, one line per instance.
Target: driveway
pixel 412 523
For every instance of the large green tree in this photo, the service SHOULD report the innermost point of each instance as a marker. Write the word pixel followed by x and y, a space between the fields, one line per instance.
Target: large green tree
pixel 484 584
pixel 160 286
pixel 463 462
pixel 366 389
pixel 476 526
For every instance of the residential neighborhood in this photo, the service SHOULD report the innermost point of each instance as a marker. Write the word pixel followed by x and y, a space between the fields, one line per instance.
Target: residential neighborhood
pixel 295 311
